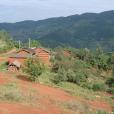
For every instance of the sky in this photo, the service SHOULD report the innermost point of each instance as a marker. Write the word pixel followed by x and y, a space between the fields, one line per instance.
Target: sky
pixel 19 10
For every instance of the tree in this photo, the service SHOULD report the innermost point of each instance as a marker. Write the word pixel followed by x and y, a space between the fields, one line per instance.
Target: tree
pixel 6 41
pixel 34 43
pixel 34 68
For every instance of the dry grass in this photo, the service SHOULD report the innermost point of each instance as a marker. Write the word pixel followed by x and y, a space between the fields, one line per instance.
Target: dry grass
pixel 77 107
pixel 12 93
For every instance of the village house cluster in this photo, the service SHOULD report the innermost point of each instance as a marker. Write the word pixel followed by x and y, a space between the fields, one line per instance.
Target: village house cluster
pixel 17 59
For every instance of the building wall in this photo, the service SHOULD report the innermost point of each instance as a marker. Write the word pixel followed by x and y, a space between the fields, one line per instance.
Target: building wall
pixel 21 60
pixel 43 55
pixel 12 68
pixel 23 52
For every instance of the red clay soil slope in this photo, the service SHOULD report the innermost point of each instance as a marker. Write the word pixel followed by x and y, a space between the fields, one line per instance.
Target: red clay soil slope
pixel 50 100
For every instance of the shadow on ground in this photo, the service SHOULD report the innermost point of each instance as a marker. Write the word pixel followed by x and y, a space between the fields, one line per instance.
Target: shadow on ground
pixel 23 78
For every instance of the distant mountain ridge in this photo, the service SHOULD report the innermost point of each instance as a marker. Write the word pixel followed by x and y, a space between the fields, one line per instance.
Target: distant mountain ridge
pixel 86 30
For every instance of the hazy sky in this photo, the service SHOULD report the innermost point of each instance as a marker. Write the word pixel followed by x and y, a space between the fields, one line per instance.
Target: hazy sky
pixel 18 10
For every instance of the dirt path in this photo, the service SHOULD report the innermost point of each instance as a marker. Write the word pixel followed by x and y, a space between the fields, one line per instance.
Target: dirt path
pixel 48 102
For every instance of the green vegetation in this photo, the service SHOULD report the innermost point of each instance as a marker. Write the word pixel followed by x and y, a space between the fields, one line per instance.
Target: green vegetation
pixel 96 58
pixel 77 107
pixel 10 92
pixel 6 42
pixel 34 68
pixel 99 87
pixel 87 30
pixel 101 112
pixel 33 43
pixel 83 67
pixel 3 66
pixel 88 69
pixel 110 82
pixel 79 73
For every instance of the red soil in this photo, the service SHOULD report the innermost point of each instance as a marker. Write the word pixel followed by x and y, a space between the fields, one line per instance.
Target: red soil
pixel 48 98
pixel 2 59
pixel 100 105
pixel 6 108
pixel 4 79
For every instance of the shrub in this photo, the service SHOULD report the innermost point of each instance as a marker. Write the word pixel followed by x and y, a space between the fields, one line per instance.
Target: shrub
pixel 111 90
pixel 34 68
pixel 110 81
pixel 77 76
pixel 60 76
pixel 112 97
pixel 69 69
pixel 101 112
pixel 99 87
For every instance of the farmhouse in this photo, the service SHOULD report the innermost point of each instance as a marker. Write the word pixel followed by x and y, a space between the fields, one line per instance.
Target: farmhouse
pixel 43 54
pixel 17 59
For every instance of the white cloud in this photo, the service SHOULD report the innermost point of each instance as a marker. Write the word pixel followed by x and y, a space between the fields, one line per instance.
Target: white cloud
pixel 17 10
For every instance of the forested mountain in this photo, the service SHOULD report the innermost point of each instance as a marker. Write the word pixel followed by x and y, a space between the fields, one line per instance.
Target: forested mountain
pixel 87 30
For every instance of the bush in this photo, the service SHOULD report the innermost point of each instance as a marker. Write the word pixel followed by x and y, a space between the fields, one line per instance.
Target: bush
pixel 112 97
pixel 110 81
pixel 69 69
pixel 77 76
pixel 110 90
pixel 99 87
pixel 101 112
pixel 33 68
pixel 60 76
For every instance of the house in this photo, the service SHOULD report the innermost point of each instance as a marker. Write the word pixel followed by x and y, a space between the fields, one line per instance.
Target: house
pixel 19 58
pixel 43 54
pixel 16 60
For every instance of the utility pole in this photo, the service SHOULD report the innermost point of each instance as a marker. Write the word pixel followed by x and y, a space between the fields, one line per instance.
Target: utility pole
pixel 29 43
pixel 19 44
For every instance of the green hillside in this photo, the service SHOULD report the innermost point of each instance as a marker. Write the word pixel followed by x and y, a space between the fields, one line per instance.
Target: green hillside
pixel 87 30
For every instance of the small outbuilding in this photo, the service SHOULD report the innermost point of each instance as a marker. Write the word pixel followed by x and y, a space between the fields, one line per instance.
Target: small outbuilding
pixel 14 66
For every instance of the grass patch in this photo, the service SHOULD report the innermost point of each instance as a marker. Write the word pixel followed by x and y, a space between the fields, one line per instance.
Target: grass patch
pixel 101 112
pixel 77 90
pixel 3 66
pixel 45 78
pixel 12 93
pixel 74 89
pixel 76 107
pixel 85 93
